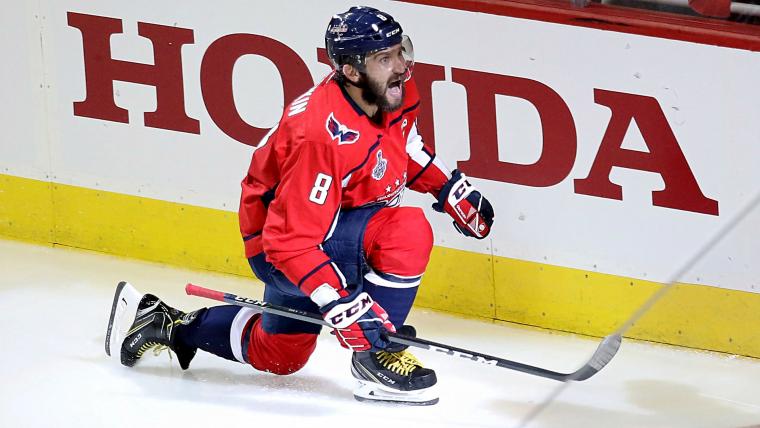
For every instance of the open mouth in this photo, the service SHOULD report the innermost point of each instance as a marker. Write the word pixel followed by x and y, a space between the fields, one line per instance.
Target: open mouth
pixel 394 88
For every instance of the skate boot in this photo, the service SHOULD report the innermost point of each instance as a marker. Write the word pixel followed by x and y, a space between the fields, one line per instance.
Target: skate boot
pixel 394 376
pixel 140 322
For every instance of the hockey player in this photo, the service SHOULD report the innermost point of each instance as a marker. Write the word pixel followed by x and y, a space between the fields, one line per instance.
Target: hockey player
pixel 323 229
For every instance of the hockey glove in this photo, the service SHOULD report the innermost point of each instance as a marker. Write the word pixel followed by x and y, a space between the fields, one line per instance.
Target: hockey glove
pixel 472 213
pixel 360 323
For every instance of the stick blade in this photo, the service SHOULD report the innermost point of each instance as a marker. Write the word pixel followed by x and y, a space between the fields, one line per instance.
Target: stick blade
pixel 601 357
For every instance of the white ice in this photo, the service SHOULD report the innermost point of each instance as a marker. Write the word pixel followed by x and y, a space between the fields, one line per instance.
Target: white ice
pixel 54 305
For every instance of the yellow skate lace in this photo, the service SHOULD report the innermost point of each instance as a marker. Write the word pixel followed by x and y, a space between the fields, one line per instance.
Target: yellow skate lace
pixel 401 362
pixel 157 347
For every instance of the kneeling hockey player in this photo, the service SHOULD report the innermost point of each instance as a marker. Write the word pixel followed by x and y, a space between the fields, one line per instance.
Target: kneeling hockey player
pixel 323 228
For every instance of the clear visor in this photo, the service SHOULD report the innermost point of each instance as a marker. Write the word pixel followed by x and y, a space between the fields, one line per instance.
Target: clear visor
pixel 407 56
pixel 407 50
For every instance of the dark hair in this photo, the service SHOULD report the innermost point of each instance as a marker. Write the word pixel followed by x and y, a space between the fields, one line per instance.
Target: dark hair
pixel 339 77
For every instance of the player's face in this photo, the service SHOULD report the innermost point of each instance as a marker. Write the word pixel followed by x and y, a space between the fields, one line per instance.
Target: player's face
pixel 385 71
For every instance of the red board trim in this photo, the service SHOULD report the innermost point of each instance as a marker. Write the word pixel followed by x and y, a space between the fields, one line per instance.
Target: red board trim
pixel 620 19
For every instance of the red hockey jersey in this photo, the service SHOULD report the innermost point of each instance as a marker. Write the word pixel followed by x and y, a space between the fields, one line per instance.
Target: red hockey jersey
pixel 327 155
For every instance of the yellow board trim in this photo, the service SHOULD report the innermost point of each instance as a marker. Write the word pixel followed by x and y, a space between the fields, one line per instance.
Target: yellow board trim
pixel 26 209
pixel 457 281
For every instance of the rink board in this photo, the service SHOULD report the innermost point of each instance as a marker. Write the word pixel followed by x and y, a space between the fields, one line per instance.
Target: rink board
pixel 495 101
pixel 490 287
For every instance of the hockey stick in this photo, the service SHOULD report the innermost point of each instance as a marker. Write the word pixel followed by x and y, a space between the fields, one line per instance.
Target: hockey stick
pixel 603 354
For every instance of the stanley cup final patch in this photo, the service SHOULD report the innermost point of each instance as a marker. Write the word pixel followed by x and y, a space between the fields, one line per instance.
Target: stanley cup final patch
pixel 379 170
pixel 340 132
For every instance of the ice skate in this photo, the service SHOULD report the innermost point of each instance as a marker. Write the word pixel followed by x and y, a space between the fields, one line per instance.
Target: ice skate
pixel 395 377
pixel 140 322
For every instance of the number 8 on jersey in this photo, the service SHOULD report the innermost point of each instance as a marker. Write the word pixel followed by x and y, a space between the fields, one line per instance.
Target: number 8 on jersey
pixel 321 187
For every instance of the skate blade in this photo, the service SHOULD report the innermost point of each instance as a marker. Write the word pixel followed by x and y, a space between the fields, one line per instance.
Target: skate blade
pixel 123 313
pixel 369 392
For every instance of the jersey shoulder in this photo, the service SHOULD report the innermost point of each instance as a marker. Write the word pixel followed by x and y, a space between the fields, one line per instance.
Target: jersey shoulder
pixel 323 116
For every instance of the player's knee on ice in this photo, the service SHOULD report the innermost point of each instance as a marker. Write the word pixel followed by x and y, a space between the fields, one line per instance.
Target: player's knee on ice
pixel 280 354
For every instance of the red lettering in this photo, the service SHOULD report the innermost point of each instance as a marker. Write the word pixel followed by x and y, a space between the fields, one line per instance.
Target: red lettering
pixel 559 137
pixel 323 58
pixel 165 74
pixel 559 144
pixel 216 80
pixel 425 75
pixel 665 157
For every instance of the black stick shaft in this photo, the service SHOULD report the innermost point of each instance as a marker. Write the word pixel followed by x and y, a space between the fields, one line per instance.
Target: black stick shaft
pixel 581 374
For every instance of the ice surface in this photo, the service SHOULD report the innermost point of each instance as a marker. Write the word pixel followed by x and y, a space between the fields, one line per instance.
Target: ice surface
pixel 54 305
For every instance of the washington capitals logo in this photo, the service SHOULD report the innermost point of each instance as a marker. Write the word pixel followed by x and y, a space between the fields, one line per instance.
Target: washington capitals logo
pixel 341 132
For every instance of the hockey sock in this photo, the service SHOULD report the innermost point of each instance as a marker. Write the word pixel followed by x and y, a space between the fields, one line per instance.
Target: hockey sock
pixel 396 301
pixel 210 331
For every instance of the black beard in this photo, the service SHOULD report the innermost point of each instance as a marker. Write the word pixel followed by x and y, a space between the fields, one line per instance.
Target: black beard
pixel 373 92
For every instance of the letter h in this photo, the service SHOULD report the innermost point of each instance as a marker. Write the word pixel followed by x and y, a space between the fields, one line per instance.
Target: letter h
pixel 101 70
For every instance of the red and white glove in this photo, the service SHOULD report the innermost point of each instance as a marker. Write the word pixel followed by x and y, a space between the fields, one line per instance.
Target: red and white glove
pixel 472 213
pixel 360 323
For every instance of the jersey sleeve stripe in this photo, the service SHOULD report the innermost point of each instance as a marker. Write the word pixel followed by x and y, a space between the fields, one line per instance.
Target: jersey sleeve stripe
pixel 414 141
pixel 333 225
pixel 251 236
pixel 313 271
pixel 340 275
pixel 422 171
